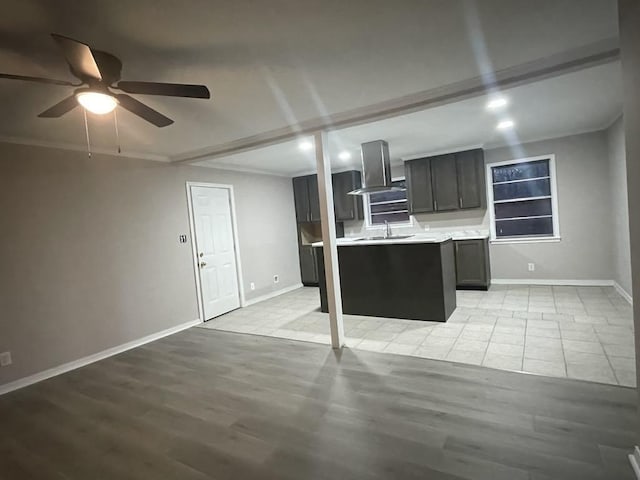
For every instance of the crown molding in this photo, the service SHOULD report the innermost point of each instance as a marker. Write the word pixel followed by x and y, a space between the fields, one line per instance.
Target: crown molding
pixel 238 168
pixel 445 151
pixel 77 148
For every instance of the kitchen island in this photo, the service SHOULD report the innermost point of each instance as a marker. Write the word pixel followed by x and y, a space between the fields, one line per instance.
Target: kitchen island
pixel 409 277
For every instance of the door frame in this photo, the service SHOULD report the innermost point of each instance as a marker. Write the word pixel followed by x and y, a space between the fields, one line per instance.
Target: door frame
pixel 194 249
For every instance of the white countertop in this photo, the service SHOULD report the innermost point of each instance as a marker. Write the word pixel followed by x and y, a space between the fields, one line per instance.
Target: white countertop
pixel 435 237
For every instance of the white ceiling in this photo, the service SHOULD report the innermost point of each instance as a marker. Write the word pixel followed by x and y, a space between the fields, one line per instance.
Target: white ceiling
pixel 271 63
pixel 578 102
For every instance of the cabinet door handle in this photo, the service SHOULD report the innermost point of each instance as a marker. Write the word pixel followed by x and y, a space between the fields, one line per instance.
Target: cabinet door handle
pixel 435 205
pixel 460 201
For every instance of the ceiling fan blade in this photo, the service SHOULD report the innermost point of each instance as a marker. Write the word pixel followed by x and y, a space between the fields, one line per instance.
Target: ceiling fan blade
pixel 79 57
pixel 60 108
pixel 140 109
pixel 51 81
pixel 166 89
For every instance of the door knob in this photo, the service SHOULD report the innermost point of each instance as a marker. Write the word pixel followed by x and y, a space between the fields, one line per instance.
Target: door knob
pixel 203 264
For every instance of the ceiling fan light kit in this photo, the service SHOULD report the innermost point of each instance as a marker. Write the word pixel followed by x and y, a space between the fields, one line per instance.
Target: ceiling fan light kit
pixel 96 102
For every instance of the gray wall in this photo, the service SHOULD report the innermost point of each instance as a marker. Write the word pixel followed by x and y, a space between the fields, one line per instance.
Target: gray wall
pixel 629 13
pixel 89 252
pixel 585 251
pixel 584 203
pixel 619 205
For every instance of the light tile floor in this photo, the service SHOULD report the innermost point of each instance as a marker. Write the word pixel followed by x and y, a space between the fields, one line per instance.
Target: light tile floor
pixel 576 332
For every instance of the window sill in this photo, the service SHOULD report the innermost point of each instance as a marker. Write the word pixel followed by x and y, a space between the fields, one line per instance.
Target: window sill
pixel 525 240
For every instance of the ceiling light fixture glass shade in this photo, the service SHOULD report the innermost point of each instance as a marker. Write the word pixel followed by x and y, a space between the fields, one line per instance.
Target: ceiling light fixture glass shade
pixel 344 156
pixel 96 102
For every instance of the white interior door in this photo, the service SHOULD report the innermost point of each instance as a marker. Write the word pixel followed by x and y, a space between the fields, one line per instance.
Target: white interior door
pixel 216 250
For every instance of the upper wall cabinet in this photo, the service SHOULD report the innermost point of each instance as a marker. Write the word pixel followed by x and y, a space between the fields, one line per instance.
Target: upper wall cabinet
pixel 446 182
pixel 301 198
pixel 314 199
pixel 307 202
pixel 418 180
pixel 471 179
pixel 347 207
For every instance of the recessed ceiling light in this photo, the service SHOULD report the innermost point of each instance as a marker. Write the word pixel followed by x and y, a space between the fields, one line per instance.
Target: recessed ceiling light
pixel 505 125
pixel 305 145
pixel 497 103
pixel 344 155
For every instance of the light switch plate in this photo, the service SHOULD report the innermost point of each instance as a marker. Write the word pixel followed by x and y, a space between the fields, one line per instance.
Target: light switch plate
pixel 5 359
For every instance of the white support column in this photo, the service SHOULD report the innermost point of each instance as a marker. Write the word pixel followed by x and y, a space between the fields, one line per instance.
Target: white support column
pixel 330 248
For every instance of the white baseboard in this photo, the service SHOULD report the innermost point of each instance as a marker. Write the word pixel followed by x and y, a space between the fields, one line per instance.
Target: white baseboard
pixel 623 293
pixel 634 459
pixel 81 362
pixel 273 294
pixel 542 281
pixel 570 283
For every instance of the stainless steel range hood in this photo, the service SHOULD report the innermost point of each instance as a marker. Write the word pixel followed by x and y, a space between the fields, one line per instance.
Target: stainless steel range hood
pixel 376 169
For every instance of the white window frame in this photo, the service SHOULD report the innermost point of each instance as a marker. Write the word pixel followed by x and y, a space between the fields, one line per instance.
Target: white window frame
pixel 367 213
pixel 555 237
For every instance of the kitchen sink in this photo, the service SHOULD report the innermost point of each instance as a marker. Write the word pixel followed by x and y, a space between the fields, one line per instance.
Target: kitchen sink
pixel 381 237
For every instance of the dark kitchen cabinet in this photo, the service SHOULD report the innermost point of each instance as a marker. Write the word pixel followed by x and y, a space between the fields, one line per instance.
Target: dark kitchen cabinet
pixel 308 265
pixel 473 269
pixel 444 181
pixel 307 201
pixel 309 233
pixel 301 198
pixel 471 179
pixel 314 199
pixel 418 181
pixel 347 207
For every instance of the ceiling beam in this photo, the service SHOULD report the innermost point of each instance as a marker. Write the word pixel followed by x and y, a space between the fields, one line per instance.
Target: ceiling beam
pixel 573 60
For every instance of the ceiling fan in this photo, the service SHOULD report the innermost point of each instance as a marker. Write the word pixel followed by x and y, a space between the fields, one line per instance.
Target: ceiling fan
pixel 98 73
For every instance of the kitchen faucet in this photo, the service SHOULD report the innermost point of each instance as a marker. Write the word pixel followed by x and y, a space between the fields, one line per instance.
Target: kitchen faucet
pixel 387 232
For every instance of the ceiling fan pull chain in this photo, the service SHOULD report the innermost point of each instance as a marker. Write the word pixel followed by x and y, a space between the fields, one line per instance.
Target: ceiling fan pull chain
pixel 115 121
pixel 86 129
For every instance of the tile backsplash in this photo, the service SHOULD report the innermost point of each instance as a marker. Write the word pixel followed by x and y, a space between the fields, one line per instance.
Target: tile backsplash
pixel 435 222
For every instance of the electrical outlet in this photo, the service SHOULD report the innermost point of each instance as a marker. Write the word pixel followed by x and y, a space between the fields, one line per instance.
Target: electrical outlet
pixel 532 267
pixel 5 359
pixel 252 286
pixel 275 279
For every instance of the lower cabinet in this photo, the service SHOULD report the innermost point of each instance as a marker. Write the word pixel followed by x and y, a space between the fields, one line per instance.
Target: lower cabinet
pixel 309 233
pixel 473 270
pixel 308 265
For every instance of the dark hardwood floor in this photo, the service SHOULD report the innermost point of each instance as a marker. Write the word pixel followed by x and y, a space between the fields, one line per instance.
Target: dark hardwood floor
pixel 204 404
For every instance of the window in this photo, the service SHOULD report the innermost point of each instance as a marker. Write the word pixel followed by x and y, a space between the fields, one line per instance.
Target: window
pixel 389 206
pixel 523 199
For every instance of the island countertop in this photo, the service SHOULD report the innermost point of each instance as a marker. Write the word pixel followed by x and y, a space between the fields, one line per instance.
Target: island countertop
pixel 435 237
